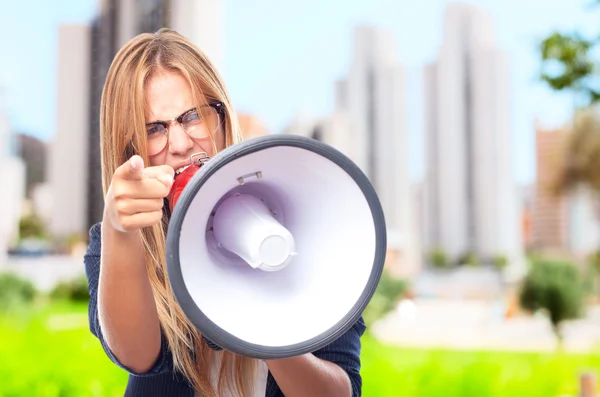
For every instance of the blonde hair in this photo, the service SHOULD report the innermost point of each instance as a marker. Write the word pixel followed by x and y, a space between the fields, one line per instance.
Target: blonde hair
pixel 122 134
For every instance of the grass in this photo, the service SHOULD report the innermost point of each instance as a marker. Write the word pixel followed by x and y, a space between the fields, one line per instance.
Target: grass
pixel 49 352
pixel 393 371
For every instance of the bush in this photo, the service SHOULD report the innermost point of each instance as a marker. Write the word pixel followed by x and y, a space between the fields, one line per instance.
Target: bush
pixel 75 290
pixel 31 226
pixel 15 291
pixel 438 259
pixel 387 294
pixel 468 259
pixel 500 261
pixel 556 288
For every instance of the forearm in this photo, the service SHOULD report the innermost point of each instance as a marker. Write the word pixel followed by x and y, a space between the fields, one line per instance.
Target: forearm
pixel 126 307
pixel 308 375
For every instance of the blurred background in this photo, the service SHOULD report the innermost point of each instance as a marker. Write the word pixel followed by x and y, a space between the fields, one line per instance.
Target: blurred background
pixel 476 121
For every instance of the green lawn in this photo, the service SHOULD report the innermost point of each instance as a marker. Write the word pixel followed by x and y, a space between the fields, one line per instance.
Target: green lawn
pixel 50 352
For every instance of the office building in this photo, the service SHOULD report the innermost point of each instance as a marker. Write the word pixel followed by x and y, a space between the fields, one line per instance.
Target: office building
pixel 472 198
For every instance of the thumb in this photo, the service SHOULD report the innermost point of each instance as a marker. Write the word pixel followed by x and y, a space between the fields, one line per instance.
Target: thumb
pixel 134 168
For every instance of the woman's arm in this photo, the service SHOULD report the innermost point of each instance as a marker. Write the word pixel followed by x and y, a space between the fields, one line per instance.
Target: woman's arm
pixel 331 371
pixel 308 375
pixel 126 311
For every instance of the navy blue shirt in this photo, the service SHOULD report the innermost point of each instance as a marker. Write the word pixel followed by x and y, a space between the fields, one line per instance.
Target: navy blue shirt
pixel 163 381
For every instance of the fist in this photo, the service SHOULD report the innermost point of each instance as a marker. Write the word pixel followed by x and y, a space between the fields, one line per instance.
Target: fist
pixel 135 196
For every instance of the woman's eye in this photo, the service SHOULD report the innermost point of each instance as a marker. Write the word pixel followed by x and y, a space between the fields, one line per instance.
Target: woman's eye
pixel 154 129
pixel 191 117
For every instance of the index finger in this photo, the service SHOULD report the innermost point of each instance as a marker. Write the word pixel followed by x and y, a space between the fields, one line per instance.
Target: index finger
pixel 133 168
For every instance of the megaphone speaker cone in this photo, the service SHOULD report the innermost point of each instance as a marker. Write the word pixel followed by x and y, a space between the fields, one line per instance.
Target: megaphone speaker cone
pixel 275 246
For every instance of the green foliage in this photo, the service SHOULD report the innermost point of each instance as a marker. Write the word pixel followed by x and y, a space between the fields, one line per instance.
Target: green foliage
pixel 468 259
pixel 438 258
pixel 30 226
pixel 556 288
pixel 387 294
pixel 567 65
pixel 15 292
pixel 500 261
pixel 392 371
pixel 75 290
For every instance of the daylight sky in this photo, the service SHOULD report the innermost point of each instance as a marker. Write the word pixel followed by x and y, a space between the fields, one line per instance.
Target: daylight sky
pixel 283 57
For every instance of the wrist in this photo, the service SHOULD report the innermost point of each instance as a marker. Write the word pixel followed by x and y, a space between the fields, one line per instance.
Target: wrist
pixel 117 244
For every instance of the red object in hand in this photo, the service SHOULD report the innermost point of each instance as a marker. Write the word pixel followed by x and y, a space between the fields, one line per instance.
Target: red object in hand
pixel 179 184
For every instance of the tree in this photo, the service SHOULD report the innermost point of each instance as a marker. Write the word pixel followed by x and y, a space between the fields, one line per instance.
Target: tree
pixel 556 288
pixel 582 155
pixel 568 64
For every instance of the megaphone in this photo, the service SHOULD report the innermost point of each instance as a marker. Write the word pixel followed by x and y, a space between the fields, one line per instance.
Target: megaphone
pixel 275 246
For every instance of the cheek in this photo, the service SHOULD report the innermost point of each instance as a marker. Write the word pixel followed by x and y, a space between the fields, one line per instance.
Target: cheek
pixel 159 159
pixel 204 145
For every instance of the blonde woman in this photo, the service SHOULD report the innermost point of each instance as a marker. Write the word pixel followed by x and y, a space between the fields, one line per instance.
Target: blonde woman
pixel 163 101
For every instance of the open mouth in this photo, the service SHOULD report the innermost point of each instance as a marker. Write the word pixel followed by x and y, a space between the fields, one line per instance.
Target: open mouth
pixel 181 169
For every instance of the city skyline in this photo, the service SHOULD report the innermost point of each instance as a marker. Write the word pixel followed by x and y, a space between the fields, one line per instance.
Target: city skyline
pixel 256 75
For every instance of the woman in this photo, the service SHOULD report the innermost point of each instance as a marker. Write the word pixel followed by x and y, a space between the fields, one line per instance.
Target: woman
pixel 163 101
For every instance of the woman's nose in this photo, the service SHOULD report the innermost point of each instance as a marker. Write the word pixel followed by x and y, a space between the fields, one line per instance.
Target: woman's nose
pixel 179 141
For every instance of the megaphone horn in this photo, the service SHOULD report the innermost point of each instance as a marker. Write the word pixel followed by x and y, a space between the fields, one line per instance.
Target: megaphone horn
pixel 275 246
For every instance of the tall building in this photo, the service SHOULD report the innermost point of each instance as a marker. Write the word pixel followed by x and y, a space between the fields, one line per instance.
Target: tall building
pixel 12 180
pixel 118 22
pixel 370 121
pixel 550 210
pixel 202 22
pixel 68 154
pixel 561 222
pixel 471 195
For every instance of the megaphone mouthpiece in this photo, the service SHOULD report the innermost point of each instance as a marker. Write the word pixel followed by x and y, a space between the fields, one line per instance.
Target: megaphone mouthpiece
pixel 244 225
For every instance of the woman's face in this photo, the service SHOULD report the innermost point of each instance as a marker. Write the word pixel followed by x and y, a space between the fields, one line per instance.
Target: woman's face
pixel 169 96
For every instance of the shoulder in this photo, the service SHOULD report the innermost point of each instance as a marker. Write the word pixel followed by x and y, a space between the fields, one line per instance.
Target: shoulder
pixel 95 234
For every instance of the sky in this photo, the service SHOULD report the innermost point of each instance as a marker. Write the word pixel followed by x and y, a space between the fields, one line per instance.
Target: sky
pixel 282 58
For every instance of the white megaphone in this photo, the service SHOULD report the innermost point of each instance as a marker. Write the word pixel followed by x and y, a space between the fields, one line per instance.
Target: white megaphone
pixel 275 246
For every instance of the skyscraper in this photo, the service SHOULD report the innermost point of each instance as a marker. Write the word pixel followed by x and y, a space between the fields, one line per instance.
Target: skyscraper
pixel 67 171
pixel 371 109
pixel 471 195
pixel 201 22
pixel 118 22
pixel 12 180
pixel 549 218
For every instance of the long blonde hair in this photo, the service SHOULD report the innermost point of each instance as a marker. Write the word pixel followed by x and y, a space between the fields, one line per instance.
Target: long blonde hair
pixel 122 134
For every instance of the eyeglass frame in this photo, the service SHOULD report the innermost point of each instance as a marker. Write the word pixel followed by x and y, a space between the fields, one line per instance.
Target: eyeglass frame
pixel 217 105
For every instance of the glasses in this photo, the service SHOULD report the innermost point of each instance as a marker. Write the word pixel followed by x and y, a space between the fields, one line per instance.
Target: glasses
pixel 199 123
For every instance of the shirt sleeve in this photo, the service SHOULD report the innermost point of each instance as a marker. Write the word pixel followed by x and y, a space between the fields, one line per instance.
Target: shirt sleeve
pixel 92 270
pixel 345 352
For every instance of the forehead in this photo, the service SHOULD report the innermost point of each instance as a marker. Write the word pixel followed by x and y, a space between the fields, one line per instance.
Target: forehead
pixel 168 94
